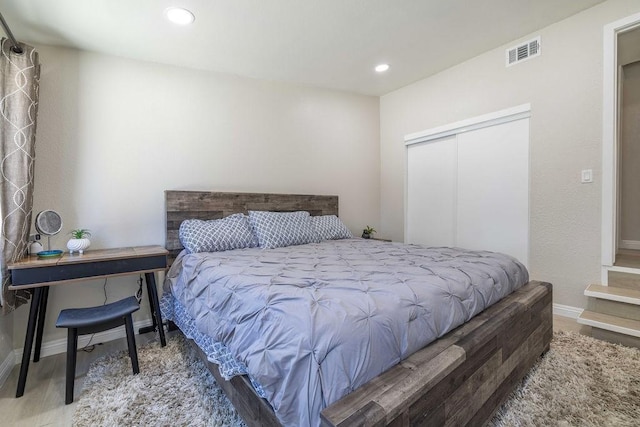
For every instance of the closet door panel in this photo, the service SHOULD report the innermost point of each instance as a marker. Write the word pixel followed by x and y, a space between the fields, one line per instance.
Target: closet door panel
pixel 431 190
pixel 493 189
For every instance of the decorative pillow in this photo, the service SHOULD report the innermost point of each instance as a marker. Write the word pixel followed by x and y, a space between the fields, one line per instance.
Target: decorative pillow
pixel 278 229
pixel 232 232
pixel 330 227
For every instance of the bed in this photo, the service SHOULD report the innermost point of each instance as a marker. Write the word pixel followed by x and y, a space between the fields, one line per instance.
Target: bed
pixel 478 350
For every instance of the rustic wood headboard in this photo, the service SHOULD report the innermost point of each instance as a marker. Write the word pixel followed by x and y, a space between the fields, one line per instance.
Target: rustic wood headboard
pixel 181 205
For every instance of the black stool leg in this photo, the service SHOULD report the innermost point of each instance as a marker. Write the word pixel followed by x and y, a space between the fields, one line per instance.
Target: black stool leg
pixel 72 345
pixel 131 342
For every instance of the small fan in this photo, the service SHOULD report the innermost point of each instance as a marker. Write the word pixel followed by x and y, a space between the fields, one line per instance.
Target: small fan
pixel 49 223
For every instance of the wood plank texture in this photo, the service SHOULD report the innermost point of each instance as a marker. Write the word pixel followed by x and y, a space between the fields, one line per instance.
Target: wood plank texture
pixel 181 205
pixel 481 368
pixel 92 255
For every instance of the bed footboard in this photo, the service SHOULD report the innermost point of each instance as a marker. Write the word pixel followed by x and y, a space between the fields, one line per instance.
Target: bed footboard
pixel 462 378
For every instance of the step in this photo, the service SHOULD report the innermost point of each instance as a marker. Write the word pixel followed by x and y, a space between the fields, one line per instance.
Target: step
pixel 622 279
pixel 612 293
pixel 610 323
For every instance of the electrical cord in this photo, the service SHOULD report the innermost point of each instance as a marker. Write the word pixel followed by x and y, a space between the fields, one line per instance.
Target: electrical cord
pixel 88 348
pixel 139 292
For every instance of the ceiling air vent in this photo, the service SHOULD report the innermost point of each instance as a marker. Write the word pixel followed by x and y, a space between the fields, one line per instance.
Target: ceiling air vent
pixel 523 51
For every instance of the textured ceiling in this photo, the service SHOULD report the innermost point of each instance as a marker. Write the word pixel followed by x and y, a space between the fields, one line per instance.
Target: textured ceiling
pixel 326 43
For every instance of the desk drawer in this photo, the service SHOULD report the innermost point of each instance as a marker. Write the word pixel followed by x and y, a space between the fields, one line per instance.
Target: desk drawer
pixel 86 270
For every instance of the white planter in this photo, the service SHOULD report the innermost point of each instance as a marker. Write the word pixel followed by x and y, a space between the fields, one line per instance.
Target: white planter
pixel 78 245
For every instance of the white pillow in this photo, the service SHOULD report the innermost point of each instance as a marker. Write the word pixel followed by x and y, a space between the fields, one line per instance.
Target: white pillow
pixel 232 232
pixel 278 229
pixel 330 227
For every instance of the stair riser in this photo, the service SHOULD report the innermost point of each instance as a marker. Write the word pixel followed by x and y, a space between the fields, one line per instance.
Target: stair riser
pixel 624 280
pixel 614 308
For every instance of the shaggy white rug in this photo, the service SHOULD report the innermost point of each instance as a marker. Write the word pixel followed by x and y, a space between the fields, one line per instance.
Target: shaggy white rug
pixel 174 388
pixel 580 382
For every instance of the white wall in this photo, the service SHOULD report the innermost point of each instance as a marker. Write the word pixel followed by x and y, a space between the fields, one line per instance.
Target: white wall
pixel 113 134
pixel 6 344
pixel 564 87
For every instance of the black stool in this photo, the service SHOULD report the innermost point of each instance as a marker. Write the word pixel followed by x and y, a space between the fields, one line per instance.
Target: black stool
pixel 82 321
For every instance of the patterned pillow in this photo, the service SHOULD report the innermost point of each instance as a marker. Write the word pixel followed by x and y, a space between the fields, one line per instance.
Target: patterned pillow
pixel 330 227
pixel 278 229
pixel 232 232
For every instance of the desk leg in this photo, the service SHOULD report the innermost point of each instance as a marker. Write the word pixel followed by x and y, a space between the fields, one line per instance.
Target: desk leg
pixel 28 340
pixel 41 317
pixel 154 305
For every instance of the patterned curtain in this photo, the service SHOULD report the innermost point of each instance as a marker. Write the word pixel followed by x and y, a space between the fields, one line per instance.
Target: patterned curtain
pixel 19 82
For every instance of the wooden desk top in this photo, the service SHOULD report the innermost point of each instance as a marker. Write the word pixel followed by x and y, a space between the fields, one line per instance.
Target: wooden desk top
pixel 89 256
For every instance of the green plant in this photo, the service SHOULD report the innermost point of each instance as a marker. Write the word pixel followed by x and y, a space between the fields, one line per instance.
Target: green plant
pixel 369 230
pixel 80 233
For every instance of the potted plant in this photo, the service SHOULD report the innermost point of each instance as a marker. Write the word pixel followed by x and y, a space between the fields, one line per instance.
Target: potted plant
pixel 367 232
pixel 79 240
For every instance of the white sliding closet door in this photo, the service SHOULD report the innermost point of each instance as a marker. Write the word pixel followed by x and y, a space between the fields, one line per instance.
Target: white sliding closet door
pixel 432 162
pixel 468 184
pixel 493 182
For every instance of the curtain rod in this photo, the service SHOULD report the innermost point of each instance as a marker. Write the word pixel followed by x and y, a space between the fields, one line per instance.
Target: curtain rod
pixel 16 47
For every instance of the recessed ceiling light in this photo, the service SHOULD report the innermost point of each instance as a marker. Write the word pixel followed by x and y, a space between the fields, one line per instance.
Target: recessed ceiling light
pixel 179 16
pixel 382 68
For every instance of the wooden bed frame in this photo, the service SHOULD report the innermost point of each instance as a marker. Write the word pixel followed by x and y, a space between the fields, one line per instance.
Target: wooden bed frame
pixel 459 379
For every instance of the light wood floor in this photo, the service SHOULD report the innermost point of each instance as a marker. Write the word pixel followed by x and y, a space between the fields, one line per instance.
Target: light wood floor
pixel 43 401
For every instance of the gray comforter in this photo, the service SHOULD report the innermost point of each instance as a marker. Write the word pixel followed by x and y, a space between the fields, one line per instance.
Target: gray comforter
pixel 314 322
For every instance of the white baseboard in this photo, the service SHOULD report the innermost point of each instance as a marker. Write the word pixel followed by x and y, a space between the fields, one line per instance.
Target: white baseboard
pixel 58 346
pixel 567 311
pixel 7 365
pixel 630 244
